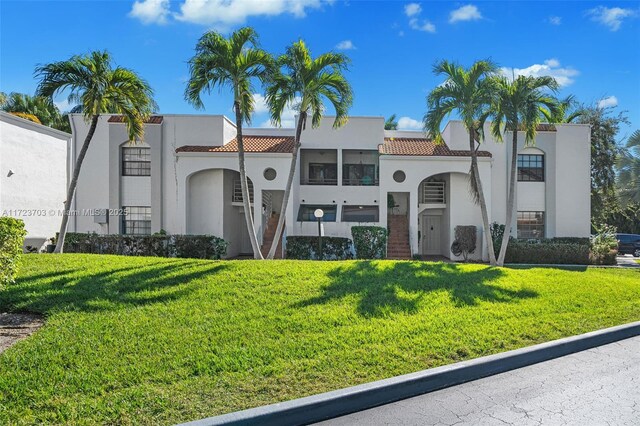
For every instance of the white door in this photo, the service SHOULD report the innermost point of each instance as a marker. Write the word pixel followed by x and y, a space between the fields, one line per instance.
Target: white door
pixel 431 235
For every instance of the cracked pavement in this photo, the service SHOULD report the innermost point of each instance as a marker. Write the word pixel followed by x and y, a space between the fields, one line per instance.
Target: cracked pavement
pixel 599 386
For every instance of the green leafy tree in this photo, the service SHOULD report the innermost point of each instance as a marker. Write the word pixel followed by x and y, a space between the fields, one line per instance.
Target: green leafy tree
pixel 605 125
pixel 306 82
pixel 391 123
pixel 93 82
pixel 231 63
pixel 568 111
pixel 469 93
pixel 628 166
pixel 519 105
pixel 46 112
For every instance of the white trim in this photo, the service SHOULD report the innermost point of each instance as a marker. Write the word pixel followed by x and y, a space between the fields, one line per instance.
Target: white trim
pixel 22 122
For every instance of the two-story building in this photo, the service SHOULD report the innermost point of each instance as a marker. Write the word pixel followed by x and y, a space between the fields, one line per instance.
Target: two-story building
pixel 184 179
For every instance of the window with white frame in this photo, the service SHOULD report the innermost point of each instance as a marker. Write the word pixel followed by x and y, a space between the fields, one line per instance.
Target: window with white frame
pixel 360 214
pixel 305 214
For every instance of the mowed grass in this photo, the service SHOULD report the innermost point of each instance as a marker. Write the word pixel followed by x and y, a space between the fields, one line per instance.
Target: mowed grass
pixel 157 341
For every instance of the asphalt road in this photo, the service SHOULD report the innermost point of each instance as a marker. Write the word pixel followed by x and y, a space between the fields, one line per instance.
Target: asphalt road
pixel 600 386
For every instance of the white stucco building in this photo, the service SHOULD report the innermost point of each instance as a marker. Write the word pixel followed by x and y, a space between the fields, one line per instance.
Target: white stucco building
pixel 33 175
pixel 183 179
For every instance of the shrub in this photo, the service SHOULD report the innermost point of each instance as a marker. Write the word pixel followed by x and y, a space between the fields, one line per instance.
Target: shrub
pixel 497 232
pixel 465 241
pixel 370 242
pixel 604 246
pixel 550 251
pixel 305 248
pixel 12 235
pixel 161 245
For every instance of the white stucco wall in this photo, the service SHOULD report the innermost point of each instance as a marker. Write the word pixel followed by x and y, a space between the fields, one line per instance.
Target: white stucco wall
pixel 37 157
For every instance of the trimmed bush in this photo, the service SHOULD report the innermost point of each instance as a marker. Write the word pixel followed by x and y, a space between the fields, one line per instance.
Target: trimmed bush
pixel 12 235
pixel 184 246
pixel 547 251
pixel 465 241
pixel 370 242
pixel 306 248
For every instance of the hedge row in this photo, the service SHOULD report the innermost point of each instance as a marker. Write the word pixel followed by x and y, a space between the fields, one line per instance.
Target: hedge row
pixel 306 248
pixel 12 235
pixel 553 251
pixel 370 242
pixel 184 246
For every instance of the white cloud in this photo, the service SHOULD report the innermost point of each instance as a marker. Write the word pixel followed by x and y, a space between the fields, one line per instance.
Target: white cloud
pixel 607 102
pixel 551 67
pixel 150 11
pixel 555 20
pixel 408 123
pixel 611 17
pixel 288 118
pixel 345 45
pixel 465 13
pixel 412 9
pixel 423 25
pixel 225 13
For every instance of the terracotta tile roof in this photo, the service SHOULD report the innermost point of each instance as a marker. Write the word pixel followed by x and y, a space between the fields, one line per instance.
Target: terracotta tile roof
pixel 273 144
pixel 154 119
pixel 546 127
pixel 421 146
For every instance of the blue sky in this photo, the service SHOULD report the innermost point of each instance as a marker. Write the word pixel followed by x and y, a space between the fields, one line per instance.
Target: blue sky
pixel 591 47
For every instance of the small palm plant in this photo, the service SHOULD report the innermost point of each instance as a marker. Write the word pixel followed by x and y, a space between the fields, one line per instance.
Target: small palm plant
pixel 232 63
pixel 519 105
pixel 629 170
pixel 306 82
pixel 42 108
pixel 467 92
pixel 94 83
pixel 567 111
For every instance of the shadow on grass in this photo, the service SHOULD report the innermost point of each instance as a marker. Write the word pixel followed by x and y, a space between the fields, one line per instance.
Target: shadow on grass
pixel 79 290
pixel 386 288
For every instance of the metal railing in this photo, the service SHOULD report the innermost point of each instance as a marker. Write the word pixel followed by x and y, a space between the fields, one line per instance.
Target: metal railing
pixel 236 197
pixel 366 181
pixel 433 193
pixel 318 181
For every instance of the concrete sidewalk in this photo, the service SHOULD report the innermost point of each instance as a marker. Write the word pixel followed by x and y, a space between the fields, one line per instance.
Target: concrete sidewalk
pixel 595 387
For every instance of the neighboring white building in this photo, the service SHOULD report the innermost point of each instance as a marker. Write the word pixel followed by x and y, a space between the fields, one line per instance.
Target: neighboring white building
pixel 33 175
pixel 183 179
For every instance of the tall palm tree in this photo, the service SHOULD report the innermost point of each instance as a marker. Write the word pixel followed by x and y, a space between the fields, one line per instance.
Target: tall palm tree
pixel 306 82
pixel 467 92
pixel 391 123
pixel 46 112
pixel 629 170
pixel 567 111
pixel 232 63
pixel 92 81
pixel 519 105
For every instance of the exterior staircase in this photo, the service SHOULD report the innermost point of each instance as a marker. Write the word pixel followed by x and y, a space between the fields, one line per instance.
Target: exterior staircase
pixel 268 236
pixel 398 242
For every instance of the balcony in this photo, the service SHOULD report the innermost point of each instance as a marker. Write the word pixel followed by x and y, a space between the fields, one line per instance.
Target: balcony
pixel 318 167
pixel 360 167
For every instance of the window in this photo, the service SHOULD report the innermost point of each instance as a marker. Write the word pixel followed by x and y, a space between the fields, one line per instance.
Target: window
pixel 360 214
pixel 359 174
pixel 531 225
pixel 305 214
pixel 323 174
pixel 136 220
pixel 136 161
pixel 530 168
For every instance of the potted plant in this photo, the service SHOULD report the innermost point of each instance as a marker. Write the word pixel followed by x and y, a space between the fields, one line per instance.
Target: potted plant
pixel 52 244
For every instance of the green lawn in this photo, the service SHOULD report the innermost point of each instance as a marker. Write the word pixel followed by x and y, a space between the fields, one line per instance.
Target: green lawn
pixel 148 340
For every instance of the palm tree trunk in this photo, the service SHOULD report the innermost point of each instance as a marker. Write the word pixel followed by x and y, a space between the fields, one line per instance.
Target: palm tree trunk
pixel 74 183
pixel 244 184
pixel 287 191
pixel 511 200
pixel 481 200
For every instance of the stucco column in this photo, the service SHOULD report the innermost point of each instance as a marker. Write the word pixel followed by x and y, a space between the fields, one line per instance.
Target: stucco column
pixel 413 219
pixel 257 211
pixel 183 200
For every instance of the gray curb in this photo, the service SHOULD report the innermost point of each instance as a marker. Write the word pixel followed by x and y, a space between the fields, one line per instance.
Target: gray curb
pixel 357 398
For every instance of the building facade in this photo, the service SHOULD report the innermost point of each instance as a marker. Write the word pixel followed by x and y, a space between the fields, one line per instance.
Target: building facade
pixel 183 179
pixel 33 176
